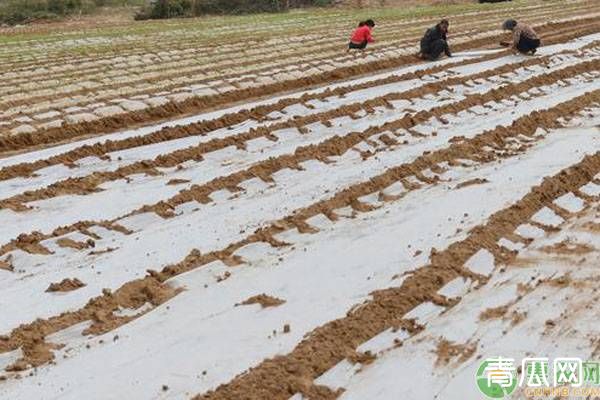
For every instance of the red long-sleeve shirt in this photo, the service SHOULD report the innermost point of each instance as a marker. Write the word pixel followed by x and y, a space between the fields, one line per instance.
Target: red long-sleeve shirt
pixel 361 34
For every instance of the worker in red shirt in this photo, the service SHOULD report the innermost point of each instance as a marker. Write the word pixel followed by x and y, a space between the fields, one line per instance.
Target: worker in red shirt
pixel 362 35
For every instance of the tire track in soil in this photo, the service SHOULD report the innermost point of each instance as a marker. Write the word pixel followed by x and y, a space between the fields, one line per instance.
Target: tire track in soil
pixel 153 289
pixel 328 148
pixel 198 104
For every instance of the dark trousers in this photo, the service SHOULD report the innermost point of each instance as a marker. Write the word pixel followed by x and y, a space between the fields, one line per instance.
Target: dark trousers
pixel 435 50
pixel 358 46
pixel 526 45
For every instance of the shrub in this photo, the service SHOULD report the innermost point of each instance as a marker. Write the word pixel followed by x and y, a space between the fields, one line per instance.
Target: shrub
pixel 21 11
pixel 63 7
pixel 157 9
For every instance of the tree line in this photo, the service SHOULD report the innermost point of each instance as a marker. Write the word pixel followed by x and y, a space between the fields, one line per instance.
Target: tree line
pixel 158 9
pixel 24 11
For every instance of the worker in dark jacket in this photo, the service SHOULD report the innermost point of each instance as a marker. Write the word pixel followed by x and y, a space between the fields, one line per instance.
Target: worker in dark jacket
pixel 525 40
pixel 435 42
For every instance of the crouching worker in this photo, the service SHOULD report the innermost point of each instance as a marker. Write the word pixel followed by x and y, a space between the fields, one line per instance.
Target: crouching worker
pixel 435 42
pixel 362 35
pixel 525 40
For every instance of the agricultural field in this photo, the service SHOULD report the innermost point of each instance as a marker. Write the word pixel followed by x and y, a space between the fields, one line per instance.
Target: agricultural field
pixel 237 208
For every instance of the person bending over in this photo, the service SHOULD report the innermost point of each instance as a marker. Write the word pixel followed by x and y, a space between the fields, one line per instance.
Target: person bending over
pixel 525 40
pixel 435 42
pixel 362 35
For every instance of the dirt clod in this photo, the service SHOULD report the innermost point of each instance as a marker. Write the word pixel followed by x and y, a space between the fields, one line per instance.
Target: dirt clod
pixel 264 300
pixel 66 285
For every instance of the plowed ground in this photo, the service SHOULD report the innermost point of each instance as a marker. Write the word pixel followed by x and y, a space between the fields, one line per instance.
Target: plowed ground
pixel 342 226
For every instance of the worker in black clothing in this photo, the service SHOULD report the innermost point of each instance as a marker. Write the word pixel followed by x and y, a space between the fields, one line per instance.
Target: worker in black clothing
pixel 435 42
pixel 525 40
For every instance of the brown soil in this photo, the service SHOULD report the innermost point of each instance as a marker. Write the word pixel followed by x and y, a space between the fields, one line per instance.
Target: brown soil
pixel 470 148
pixel 70 243
pixel 132 295
pixel 285 375
pixel 257 113
pixel 328 344
pixel 30 243
pixel 419 287
pixel 103 251
pixel 6 264
pixel 365 358
pixel 494 313
pixel 387 34
pixel 560 282
pixel 177 181
pixel 66 285
pixel 448 351
pixel 223 62
pixel 330 147
pixel 568 247
pixel 264 300
pixel 199 104
pixel 592 226
pixel 517 317
pixel 476 181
